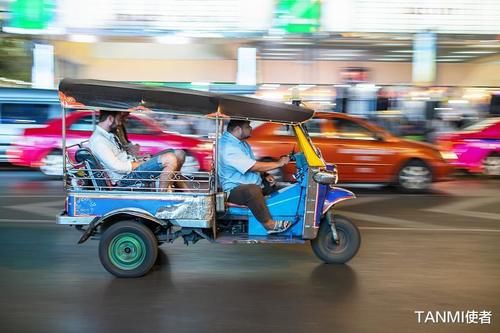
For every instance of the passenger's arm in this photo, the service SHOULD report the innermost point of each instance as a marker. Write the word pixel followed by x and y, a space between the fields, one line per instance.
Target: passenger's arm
pixel 109 160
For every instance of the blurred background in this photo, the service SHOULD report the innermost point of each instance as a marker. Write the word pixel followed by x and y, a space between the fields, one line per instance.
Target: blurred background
pixel 409 94
pixel 418 69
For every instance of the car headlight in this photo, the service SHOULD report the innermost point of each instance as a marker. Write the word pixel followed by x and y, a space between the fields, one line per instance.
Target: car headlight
pixel 448 155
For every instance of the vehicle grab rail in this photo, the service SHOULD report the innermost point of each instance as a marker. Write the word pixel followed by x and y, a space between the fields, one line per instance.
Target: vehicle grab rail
pixel 84 178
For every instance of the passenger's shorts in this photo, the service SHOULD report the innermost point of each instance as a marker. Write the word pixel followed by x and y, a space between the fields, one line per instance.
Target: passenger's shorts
pixel 146 171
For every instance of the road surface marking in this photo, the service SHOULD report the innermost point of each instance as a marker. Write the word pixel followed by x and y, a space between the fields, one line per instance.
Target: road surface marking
pixel 430 229
pixel 462 208
pixel 386 220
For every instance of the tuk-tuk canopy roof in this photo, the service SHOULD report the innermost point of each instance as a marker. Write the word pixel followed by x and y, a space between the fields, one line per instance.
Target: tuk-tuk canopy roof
pixel 109 95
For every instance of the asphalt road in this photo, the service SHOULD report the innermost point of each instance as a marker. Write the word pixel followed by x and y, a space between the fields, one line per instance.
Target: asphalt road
pixel 433 252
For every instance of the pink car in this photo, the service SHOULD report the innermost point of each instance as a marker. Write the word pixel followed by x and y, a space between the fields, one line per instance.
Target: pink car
pixel 477 147
pixel 41 147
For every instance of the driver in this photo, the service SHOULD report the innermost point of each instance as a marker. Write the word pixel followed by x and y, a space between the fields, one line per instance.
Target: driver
pixel 239 174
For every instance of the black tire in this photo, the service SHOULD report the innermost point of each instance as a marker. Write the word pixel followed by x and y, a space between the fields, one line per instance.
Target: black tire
pixel 52 164
pixel 128 249
pixel 414 177
pixel 491 165
pixel 325 248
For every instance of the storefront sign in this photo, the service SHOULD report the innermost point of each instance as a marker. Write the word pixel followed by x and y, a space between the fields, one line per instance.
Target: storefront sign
pixel 442 16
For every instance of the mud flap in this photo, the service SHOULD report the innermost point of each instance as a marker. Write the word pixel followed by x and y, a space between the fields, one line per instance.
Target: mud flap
pixel 90 230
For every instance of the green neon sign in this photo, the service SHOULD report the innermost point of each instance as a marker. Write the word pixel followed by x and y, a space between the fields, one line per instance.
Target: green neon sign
pixel 298 16
pixel 31 14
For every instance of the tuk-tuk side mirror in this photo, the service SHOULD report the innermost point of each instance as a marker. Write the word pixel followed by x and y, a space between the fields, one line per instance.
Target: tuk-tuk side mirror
pixel 326 177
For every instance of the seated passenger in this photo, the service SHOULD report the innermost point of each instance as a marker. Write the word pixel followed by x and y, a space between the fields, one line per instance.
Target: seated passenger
pixel 122 136
pixel 239 174
pixel 122 167
pixel 134 149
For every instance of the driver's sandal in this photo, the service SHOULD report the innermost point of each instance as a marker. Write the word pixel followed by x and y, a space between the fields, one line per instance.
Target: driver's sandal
pixel 279 226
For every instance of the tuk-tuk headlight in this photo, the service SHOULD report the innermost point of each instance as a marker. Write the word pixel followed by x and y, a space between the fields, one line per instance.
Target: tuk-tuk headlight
pixel 326 177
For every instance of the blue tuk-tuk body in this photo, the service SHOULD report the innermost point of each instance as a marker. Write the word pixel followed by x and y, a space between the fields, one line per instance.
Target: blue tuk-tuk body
pixel 131 222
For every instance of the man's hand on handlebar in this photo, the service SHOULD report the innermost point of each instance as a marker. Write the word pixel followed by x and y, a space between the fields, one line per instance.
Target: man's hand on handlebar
pixel 284 160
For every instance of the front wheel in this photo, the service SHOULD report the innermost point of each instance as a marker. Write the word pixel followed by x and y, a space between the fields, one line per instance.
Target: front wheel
pixel 128 249
pixel 349 240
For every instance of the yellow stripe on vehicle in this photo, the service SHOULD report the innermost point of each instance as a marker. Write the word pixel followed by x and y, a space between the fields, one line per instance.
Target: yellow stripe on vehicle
pixel 306 147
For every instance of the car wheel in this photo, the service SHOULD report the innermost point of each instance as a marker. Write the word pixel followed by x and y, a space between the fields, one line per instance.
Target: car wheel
pixel 491 165
pixel 190 165
pixel 128 249
pixel 52 163
pixel 414 176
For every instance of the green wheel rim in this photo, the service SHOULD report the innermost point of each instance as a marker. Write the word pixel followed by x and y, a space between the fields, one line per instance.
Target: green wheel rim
pixel 127 251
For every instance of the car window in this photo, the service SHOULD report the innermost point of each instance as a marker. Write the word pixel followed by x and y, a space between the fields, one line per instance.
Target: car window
pixel 83 124
pixel 136 126
pixel 480 125
pixel 286 130
pixel 24 113
pixel 313 127
pixel 348 129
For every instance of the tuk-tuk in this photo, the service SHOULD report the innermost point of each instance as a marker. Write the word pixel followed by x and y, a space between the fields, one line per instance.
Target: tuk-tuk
pixel 131 222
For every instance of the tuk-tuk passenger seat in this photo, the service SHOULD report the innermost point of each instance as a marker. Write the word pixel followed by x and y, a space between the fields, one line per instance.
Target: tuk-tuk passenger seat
pixel 94 169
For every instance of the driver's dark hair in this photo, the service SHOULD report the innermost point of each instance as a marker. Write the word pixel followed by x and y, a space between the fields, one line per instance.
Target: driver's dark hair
pixel 233 123
pixel 104 114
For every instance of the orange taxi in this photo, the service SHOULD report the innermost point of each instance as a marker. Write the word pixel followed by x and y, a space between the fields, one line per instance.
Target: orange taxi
pixel 362 151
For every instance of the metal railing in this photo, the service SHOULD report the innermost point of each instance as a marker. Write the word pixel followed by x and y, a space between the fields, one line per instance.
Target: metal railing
pixel 81 177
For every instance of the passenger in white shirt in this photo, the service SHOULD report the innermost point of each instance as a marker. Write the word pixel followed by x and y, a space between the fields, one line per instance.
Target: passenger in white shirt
pixel 122 168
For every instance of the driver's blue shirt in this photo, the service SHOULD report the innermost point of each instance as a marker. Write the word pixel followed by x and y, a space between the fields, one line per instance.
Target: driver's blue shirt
pixel 235 160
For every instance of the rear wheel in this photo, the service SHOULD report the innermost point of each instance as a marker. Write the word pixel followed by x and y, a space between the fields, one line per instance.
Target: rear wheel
pixel 128 249
pixel 331 252
pixel 415 176
pixel 491 165
pixel 52 163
